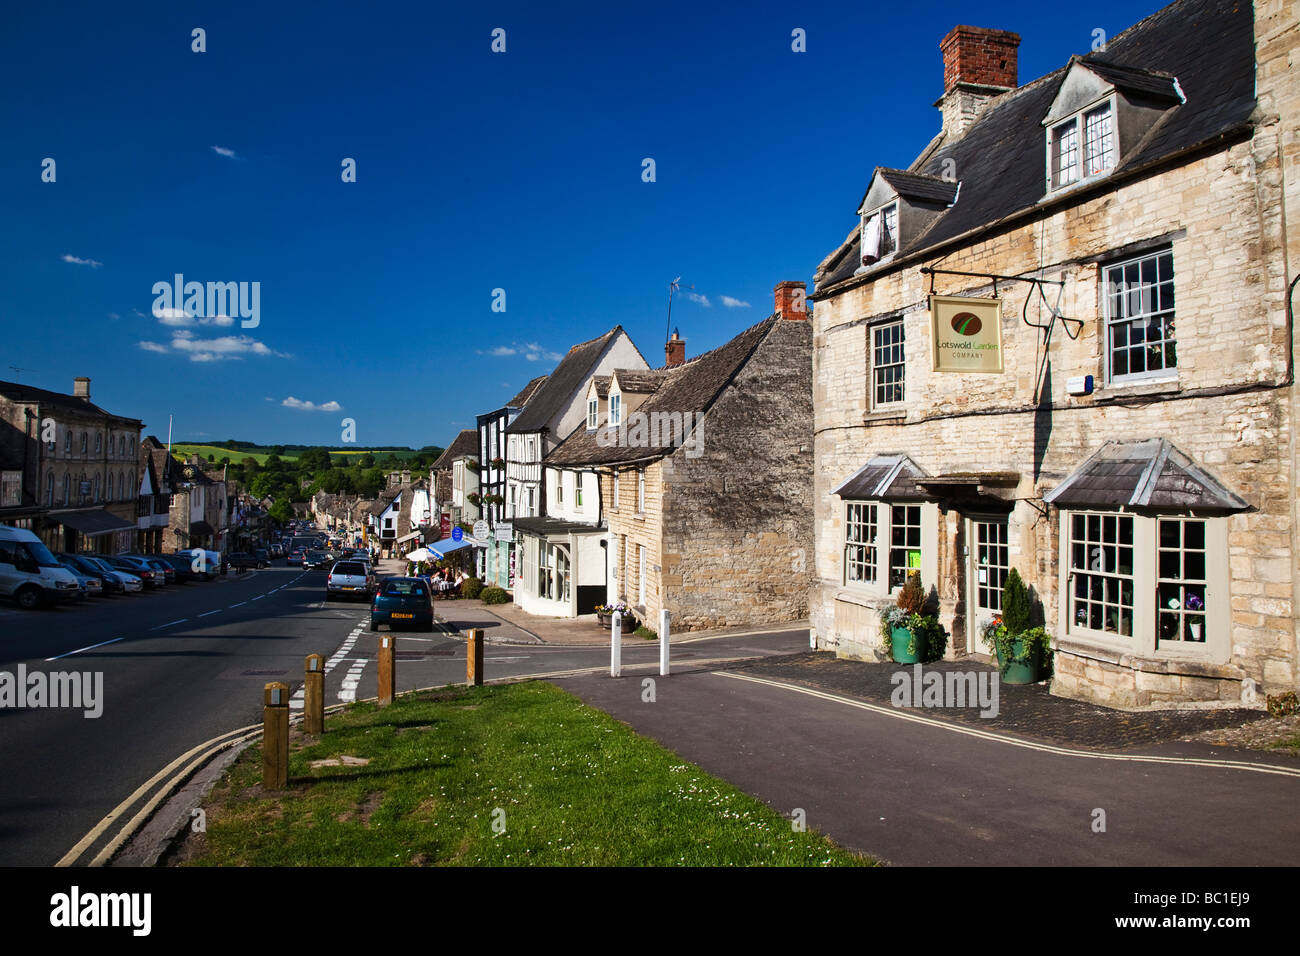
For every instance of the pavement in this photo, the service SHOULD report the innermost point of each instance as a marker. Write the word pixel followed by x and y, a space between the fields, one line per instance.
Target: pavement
pixel 909 789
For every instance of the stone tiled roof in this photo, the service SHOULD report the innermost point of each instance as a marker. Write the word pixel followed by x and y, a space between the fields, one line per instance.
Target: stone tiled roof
pixel 639 380
pixel 526 393
pixel 560 385
pixel 915 186
pixel 688 388
pixel 464 445
pixel 602 385
pixel 1207 44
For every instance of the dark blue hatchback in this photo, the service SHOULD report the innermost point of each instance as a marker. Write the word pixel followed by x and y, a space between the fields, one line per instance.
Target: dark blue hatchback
pixel 402 602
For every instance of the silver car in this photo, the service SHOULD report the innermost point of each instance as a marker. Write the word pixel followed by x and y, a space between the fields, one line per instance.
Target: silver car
pixel 349 578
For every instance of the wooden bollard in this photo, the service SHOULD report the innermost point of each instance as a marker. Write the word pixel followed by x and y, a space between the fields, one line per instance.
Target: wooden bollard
pixel 313 695
pixel 474 658
pixel 387 677
pixel 275 736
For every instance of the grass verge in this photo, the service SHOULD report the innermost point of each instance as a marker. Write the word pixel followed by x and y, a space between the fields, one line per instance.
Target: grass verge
pixel 567 784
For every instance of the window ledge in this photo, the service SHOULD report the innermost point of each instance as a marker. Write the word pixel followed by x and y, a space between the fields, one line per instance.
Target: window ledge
pixel 1196 665
pixel 1116 392
pixel 863 599
pixel 885 415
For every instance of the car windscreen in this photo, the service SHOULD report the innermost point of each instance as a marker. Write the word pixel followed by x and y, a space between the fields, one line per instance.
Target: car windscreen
pixel 41 555
pixel 404 588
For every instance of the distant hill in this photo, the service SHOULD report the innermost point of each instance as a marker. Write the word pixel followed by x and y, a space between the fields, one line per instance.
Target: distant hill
pixel 237 451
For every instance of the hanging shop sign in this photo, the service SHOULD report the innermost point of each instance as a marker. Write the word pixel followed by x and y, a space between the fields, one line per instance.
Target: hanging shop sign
pixel 966 334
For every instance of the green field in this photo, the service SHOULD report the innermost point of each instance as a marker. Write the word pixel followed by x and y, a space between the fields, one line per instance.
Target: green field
pixel 185 449
pixel 505 775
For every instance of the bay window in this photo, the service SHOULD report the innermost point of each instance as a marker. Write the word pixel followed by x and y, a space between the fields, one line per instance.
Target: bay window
pixel 883 544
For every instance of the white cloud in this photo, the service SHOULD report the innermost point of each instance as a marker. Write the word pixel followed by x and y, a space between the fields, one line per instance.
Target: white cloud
pixel 529 350
pixel 225 151
pixel 179 317
pixel 696 297
pixel 77 261
pixel 212 350
pixel 301 405
pixel 731 303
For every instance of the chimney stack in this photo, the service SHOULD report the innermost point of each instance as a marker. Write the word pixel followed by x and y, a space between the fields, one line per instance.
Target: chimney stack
pixel 675 351
pixel 790 300
pixel 978 66
pixel 81 388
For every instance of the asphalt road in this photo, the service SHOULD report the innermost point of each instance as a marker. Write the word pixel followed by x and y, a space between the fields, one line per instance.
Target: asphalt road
pixel 187 663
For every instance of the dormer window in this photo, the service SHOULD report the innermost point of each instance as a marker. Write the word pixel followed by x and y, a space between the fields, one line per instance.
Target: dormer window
pixel 1072 158
pixel 616 409
pixel 880 234
pixel 593 406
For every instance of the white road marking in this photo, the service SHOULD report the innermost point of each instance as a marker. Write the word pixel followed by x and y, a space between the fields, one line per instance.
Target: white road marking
pixel 240 604
pixel 348 692
pixel 206 613
pixel 80 649
pixel 169 624
pixel 259 597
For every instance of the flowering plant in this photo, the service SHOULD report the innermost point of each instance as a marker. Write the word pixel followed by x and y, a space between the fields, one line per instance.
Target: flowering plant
pixel 1194 602
pixel 611 609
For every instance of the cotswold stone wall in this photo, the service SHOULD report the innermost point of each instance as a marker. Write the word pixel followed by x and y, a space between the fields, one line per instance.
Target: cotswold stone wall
pixel 737 527
pixel 1220 214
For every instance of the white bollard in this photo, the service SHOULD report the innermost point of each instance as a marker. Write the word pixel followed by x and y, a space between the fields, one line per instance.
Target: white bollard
pixel 616 646
pixel 663 643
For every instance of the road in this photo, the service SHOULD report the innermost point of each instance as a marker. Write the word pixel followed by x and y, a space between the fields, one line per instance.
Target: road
pixel 186 663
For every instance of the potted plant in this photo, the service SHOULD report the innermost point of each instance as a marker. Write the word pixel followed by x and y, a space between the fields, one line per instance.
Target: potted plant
pixel 605 612
pixel 907 633
pixel 1021 648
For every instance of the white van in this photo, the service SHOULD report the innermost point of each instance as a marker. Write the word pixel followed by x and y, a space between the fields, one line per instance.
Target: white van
pixel 206 563
pixel 29 573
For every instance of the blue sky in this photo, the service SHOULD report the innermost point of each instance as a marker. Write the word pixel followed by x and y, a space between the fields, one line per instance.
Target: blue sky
pixel 475 171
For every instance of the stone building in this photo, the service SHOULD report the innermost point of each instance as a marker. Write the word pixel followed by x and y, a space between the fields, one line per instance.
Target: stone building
pixel 1061 341
pixel 157 467
pixel 455 476
pixel 496 562
pixel 696 479
pixel 79 463
pixel 198 514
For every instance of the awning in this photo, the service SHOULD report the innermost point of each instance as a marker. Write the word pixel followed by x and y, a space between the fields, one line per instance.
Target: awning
pixel 446 546
pixel 93 523
pixel 409 537
pixel 542 526
pixel 201 527
pixel 1150 473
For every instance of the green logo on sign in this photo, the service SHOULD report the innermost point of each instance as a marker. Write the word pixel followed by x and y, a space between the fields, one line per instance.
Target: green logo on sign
pixel 966 323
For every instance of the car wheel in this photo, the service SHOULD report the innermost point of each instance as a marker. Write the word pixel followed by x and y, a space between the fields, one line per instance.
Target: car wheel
pixel 427 627
pixel 374 626
pixel 28 598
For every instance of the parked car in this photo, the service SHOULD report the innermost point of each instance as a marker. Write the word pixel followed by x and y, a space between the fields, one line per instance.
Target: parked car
pixel 400 602
pixel 148 576
pixel 78 564
pixel 29 573
pixel 205 563
pixel 153 560
pixel 183 565
pixel 349 577
pixel 88 585
pixel 125 581
pixel 243 561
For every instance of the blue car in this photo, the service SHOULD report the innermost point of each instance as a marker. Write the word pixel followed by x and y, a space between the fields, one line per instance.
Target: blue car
pixel 402 602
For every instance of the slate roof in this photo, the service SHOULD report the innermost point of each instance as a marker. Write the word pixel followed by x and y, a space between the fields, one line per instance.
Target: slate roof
pixel 1150 473
pixel 526 393
pixel 464 445
pixel 17 392
pixel 1207 44
pixel 885 478
pixel 687 388
pixel 915 186
pixel 560 385
pixel 1151 83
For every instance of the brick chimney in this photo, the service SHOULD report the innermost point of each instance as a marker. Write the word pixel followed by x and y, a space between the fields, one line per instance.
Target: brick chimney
pixel 790 301
pixel 978 66
pixel 674 351
pixel 81 388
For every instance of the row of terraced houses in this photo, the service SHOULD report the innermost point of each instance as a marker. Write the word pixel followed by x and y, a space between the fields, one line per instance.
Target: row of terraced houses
pixel 1061 340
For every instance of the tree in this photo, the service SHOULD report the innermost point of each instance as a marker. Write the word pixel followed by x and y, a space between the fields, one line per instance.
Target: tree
pixel 281 511
pixel 367 460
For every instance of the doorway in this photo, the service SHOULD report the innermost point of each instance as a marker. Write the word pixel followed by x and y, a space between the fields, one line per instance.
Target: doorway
pixel 988 561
